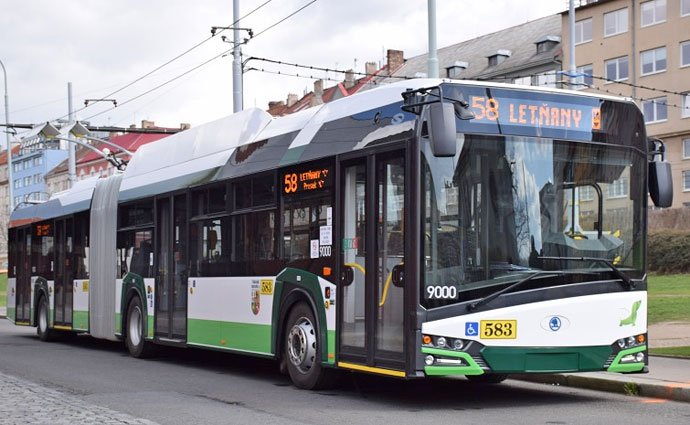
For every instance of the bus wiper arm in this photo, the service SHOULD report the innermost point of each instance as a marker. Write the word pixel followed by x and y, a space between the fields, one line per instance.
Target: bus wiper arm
pixel 627 282
pixel 475 305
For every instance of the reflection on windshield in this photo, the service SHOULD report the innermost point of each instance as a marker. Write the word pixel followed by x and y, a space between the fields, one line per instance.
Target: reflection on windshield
pixel 502 202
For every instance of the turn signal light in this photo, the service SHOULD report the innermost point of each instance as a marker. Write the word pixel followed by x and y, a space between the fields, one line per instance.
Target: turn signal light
pixel 426 339
pixel 640 339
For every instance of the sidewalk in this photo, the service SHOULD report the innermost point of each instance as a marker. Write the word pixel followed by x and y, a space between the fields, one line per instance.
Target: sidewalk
pixel 668 378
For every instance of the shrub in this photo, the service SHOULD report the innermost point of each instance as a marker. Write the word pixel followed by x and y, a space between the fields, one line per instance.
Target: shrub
pixel 669 252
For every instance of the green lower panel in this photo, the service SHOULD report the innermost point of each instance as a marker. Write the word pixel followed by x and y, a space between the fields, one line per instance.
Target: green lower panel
pixel 118 324
pixel 331 347
pixel 469 367
pixel 80 320
pixel 231 335
pixel 548 359
pixel 618 366
pixel 149 327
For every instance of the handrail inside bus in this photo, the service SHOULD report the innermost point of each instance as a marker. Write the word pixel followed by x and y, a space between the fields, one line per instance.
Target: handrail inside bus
pixel 384 296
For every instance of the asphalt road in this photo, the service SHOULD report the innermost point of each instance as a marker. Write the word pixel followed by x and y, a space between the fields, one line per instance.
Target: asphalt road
pixel 188 386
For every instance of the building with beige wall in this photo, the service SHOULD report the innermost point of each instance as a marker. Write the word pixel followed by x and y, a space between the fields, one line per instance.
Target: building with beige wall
pixel 640 49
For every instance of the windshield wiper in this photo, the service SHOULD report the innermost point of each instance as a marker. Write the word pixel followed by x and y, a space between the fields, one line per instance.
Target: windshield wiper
pixel 627 282
pixel 475 305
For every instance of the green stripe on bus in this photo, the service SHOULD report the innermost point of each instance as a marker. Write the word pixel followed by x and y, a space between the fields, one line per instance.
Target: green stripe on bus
pixel 234 335
pixel 80 320
pixel 617 366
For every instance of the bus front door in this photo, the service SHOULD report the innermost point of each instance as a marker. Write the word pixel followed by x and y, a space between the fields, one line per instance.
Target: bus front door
pixel 372 250
pixel 171 276
pixel 64 281
pixel 23 274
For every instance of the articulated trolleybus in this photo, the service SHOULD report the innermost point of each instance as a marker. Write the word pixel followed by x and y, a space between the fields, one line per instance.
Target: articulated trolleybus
pixel 423 228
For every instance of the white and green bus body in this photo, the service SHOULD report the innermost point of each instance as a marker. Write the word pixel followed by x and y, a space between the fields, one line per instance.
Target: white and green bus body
pixel 339 237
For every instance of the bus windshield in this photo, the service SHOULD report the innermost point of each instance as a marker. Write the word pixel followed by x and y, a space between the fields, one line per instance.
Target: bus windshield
pixel 503 203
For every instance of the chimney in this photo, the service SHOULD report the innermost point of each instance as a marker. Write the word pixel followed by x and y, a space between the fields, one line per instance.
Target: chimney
pixel 370 68
pixel 395 60
pixel 349 79
pixel 185 126
pixel 147 124
pixel 318 93
pixel 291 99
pixel 272 104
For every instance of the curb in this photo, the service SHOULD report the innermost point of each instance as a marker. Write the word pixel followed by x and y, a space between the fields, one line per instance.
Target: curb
pixel 667 391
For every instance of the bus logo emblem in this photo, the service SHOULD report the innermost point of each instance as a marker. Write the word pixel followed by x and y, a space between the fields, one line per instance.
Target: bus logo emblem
pixel 555 323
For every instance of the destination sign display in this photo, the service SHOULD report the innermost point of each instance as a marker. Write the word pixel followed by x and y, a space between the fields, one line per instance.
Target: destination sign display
pixel 307 179
pixel 534 113
pixel 508 111
pixel 44 230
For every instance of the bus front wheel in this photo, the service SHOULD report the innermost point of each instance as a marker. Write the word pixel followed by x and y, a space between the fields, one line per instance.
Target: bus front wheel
pixel 303 351
pixel 136 343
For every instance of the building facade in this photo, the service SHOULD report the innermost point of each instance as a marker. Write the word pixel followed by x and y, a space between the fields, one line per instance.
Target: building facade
pixel 640 49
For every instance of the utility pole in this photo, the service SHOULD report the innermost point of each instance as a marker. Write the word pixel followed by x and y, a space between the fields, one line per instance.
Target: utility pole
pixel 237 100
pixel 432 59
pixel 571 44
pixel 10 180
pixel 72 158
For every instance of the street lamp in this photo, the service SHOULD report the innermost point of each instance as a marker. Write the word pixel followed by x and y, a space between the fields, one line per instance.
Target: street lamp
pixel 9 144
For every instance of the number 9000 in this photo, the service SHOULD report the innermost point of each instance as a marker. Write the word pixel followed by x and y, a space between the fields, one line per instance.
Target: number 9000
pixel 441 292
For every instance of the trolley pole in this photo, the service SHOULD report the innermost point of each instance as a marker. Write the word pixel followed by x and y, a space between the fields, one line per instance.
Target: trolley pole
pixel 10 180
pixel 571 44
pixel 237 101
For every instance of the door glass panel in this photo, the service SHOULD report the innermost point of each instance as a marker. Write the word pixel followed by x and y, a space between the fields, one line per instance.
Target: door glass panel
pixel 353 256
pixel 390 253
pixel 60 272
pixel 69 270
pixel 163 256
pixel 180 262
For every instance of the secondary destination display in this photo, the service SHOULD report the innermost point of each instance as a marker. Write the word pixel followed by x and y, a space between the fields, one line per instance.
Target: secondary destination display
pixel 44 230
pixel 307 179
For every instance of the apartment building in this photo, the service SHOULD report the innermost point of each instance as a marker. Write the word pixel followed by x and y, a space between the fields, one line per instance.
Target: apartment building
pixel 640 49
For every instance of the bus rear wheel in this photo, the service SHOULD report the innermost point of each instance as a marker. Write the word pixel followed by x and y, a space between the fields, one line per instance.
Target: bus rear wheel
pixel 136 343
pixel 303 351
pixel 42 329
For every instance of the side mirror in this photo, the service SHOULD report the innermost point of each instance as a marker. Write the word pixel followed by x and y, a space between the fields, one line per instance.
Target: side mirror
pixel 660 184
pixel 442 129
pixel 398 276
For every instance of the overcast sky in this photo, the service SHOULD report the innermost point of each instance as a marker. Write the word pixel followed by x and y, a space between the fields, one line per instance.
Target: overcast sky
pixel 103 45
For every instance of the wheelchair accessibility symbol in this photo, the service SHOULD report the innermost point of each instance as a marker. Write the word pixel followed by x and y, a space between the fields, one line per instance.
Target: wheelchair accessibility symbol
pixel 471 328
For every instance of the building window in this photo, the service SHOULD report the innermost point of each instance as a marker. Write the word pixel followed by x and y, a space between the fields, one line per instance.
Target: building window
pixel 525 81
pixel 684 7
pixel 16 166
pixel 685 105
pixel 584 77
pixel 586 193
pixel 655 110
pixel 686 149
pixel 686 180
pixel 617 69
pixel 652 12
pixel 547 79
pixel 27 181
pixel 37 178
pixel 583 31
pixel 685 52
pixel 619 188
pixel 26 164
pixel 38 161
pixel 616 22
pixel 653 61
pixel 18 183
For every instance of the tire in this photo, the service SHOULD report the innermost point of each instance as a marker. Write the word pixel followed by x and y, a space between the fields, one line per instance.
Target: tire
pixel 302 350
pixel 42 330
pixel 136 343
pixel 490 378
